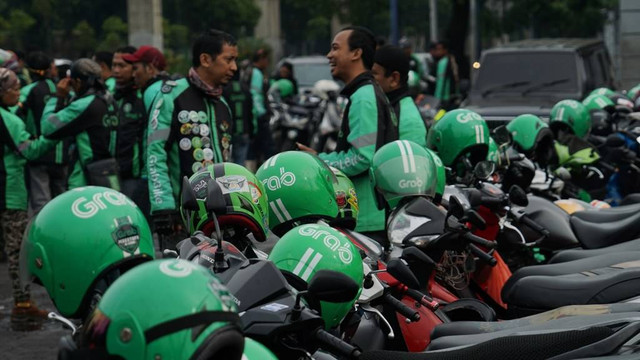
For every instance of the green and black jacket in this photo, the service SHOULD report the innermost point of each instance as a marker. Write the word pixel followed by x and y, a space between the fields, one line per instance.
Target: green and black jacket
pixel 132 124
pixel 16 148
pixel 238 96
pixel 188 130
pixel 33 99
pixel 410 124
pixel 88 119
pixel 367 124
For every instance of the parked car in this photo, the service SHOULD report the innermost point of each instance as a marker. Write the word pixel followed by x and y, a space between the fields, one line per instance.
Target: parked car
pixel 308 70
pixel 530 76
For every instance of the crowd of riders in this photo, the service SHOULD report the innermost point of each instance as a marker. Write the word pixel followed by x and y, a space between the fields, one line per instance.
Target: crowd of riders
pixel 98 159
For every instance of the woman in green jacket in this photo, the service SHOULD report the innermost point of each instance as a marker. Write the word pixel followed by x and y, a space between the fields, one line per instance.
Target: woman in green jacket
pixel 16 149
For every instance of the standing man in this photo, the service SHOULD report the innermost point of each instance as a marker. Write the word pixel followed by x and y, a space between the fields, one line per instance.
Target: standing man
pixel 447 76
pixel 391 71
pixel 104 59
pixel 238 96
pixel 367 123
pixel 148 72
pixel 47 174
pixel 262 146
pixel 190 125
pixel 130 132
pixel 88 118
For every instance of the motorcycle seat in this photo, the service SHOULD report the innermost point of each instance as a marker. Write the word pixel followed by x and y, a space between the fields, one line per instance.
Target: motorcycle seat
pixel 602 285
pixel 570 267
pixel 562 324
pixel 577 254
pixel 593 233
pixel 480 327
pixel 608 215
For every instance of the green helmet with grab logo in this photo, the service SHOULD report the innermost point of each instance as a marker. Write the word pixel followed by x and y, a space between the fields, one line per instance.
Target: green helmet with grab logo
pixel 167 309
pixel 306 249
pixel 244 195
pixel 347 201
pixel 459 133
pixel 633 93
pixel 602 91
pixel 494 152
pixel 79 242
pixel 402 169
pixel 300 188
pixel 572 115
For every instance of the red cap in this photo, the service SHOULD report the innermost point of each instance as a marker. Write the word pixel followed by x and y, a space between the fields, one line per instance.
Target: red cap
pixel 148 55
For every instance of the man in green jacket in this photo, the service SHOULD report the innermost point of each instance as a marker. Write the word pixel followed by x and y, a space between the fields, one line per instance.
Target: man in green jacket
pixel 190 126
pixel 16 147
pixel 391 71
pixel 89 118
pixel 47 174
pixel 367 124
pixel 447 76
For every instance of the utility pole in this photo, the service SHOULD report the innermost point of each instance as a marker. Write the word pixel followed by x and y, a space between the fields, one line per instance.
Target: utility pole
pixel 145 23
pixel 393 9
pixel 433 20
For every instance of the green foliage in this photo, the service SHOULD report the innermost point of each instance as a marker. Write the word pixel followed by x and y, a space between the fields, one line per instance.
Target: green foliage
pixel 115 34
pixel 84 38
pixel 248 45
pixel 237 17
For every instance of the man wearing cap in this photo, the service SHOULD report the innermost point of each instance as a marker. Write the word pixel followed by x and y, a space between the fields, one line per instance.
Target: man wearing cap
pixel 391 71
pixel 47 174
pixel 131 129
pixel 87 117
pixel 148 71
pixel 190 125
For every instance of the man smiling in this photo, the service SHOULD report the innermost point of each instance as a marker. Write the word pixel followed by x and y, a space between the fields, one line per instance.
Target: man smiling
pixel 189 125
pixel 367 123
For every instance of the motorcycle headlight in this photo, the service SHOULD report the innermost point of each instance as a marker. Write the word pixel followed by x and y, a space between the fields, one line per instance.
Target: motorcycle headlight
pixel 422 241
pixel 401 224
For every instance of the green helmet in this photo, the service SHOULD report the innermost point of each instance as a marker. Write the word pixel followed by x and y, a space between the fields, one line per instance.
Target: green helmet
pixel 167 309
pixel 402 169
pixel 598 102
pixel 526 131
pixel 283 86
pixel 441 175
pixel 347 201
pixel 494 152
pixel 459 132
pixel 308 248
pixel 244 195
pixel 290 180
pixel 253 350
pixel 79 242
pixel 572 115
pixel 634 92
pixel 602 91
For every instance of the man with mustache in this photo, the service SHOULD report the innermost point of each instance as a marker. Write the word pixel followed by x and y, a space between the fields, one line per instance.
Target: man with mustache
pixel 189 125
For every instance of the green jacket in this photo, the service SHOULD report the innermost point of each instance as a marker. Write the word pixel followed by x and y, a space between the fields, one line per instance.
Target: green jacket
pixel 257 87
pixel 88 120
pixel 187 131
pixel 17 147
pixel 367 124
pixel 410 124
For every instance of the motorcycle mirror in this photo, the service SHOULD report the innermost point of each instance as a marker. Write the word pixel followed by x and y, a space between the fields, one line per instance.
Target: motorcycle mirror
pixel 189 200
pixel 401 271
pixel 614 141
pixel 455 207
pixel 484 169
pixel 474 218
pixel 215 199
pixel 501 135
pixel 332 286
pixel 518 196
pixel 414 254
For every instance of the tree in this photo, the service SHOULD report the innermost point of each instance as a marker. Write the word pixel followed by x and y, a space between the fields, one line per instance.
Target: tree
pixel 115 32
pixel 84 38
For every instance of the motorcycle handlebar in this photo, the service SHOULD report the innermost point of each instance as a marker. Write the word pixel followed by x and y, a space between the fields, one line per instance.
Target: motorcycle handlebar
pixel 483 256
pixel 423 299
pixel 492 201
pixel 400 307
pixel 335 344
pixel 478 240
